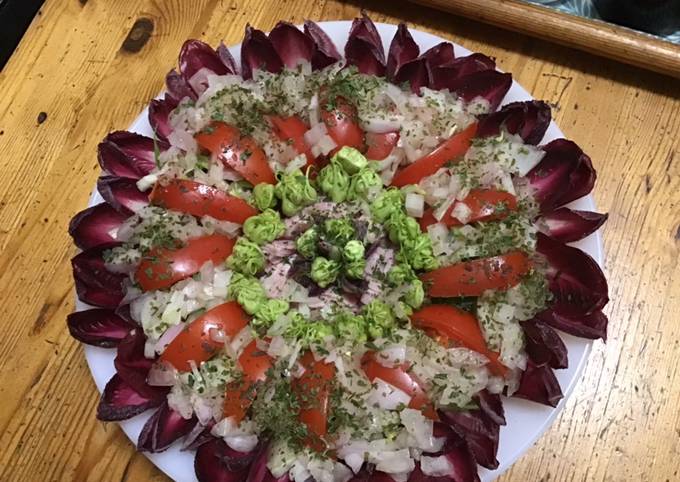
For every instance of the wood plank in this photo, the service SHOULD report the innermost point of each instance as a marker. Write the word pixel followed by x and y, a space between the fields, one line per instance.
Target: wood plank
pixel 594 36
pixel 620 424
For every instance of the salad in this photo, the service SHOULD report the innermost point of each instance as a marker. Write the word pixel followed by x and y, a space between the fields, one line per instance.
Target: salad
pixel 327 268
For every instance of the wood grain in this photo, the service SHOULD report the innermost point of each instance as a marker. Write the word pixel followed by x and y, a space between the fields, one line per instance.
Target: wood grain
pixel 622 421
pixel 606 39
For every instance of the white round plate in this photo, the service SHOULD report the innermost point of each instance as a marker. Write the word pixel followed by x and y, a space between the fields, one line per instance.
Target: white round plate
pixel 526 420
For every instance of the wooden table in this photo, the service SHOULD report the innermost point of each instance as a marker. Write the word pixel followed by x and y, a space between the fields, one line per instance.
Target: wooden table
pixel 74 78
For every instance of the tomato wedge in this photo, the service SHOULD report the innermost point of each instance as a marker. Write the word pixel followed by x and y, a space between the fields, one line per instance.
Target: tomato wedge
pixel 240 395
pixel 449 150
pixel 163 267
pixel 380 145
pixel 343 127
pixel 400 378
pixel 472 278
pixel 485 204
pixel 457 326
pixel 195 341
pixel 200 200
pixel 241 153
pixel 292 130
pixel 315 382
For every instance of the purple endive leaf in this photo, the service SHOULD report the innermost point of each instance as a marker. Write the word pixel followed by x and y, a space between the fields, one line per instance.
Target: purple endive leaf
pixel 568 225
pixel 403 49
pixel 120 401
pixel 371 476
pixel 364 48
pixel 544 345
pixel 163 428
pixel 492 406
pixel 574 278
pixel 415 73
pixel 257 52
pixel 539 384
pixel 529 120
pixel 198 435
pixel 592 326
pixel 98 327
pixel 122 194
pixel 213 463
pixel 488 84
pixel 479 431
pixel 95 226
pixel 159 116
pixel 325 52
pixel 444 76
pixel 291 44
pixel 127 154
pixel 258 469
pixel 565 173
pixel 133 366
pixel 196 60
pixel 227 59
pixel 581 182
pixel 95 285
pixel 440 55
pixel 178 88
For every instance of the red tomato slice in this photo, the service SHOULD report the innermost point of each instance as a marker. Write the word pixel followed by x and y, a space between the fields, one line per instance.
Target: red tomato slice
pixel 163 267
pixel 240 395
pixel 196 343
pixel 292 130
pixel 485 204
pixel 472 278
pixel 200 200
pixel 400 378
pixel 457 326
pixel 241 153
pixel 315 380
pixel 342 124
pixel 449 150
pixel 380 145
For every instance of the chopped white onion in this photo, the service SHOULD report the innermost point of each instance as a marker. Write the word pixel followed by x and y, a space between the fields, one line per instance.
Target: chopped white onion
pixel 161 375
pixel 147 182
pixel 314 135
pixel 296 163
pixel 242 443
pixel 199 81
pixel 436 466
pixel 381 124
pixel 442 208
pixel 386 396
pixel 461 212
pixel 415 204
pixel 183 140
pixel 167 337
pixel 325 145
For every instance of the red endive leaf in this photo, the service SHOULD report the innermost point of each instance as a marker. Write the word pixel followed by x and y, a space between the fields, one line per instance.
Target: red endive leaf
pixel 445 76
pixel 95 226
pixel 226 58
pixel 544 345
pixel 364 47
pixel 592 326
pixel 212 463
pixel 415 73
pixel 403 49
pixel 539 384
pixel 98 327
pixel 95 285
pixel 133 366
pixel 325 52
pixel 529 120
pixel 576 281
pixel 568 225
pixel 197 56
pixel 291 44
pixel 159 116
pixel 163 428
pixel 127 154
pixel 122 194
pixel 178 88
pixel 440 55
pixel 120 401
pixel 488 84
pixel 257 52
pixel 565 173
